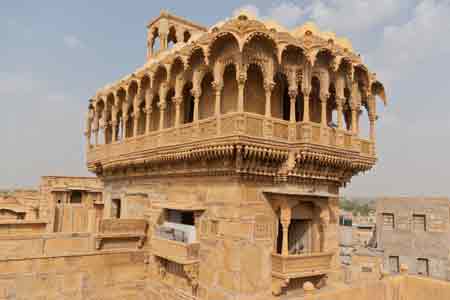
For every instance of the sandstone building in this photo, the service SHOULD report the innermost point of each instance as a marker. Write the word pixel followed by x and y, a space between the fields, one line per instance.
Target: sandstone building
pixel 233 142
pixel 415 231
pixel 219 164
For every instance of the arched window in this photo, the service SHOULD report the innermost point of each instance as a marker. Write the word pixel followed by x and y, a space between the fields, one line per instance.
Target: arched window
pixel 108 130
pixel 332 108
pixel 206 105
pixel 254 94
pixel 230 90
pixel 169 117
pixel 280 98
pixel 186 36
pixel 142 119
pixel 314 101
pixel 172 37
pixel 155 41
pixel 188 104
pixel 130 122
pixel 154 118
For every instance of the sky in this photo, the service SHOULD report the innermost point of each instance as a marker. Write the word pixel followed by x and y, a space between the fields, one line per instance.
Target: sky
pixel 54 55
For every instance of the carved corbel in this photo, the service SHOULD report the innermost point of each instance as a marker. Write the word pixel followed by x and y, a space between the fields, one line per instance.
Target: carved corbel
pixel 98 243
pixel 191 271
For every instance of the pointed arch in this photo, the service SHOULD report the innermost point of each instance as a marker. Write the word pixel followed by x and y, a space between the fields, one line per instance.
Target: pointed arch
pixel 196 57
pixel 224 43
pixel 254 93
pixel 230 89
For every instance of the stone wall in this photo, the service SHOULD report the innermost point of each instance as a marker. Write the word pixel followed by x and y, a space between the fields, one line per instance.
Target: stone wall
pixel 236 228
pixel 105 276
pixel 409 244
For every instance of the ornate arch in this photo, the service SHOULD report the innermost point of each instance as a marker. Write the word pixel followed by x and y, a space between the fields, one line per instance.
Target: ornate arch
pixel 377 89
pixel 193 54
pixel 216 40
pixel 262 35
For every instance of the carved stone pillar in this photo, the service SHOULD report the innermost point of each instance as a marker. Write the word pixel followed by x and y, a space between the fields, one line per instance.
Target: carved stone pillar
pixel 242 78
pixel 148 115
pixel 96 128
pixel 196 93
pixel 218 95
pixel 354 116
pixel 103 125
pixel 323 101
pixel 285 219
pixel 340 113
pixel 293 97
pixel 162 109
pixel 148 110
pixel 324 222
pixel 88 128
pixel 114 124
pixel 163 39
pixel 306 117
pixel 268 87
pixel 372 120
pixel 178 101
pixel 137 115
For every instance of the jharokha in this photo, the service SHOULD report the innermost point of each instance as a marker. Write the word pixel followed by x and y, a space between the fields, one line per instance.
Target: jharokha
pixel 233 143
pixel 219 164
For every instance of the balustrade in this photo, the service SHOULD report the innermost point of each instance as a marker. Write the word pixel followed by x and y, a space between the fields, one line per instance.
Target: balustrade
pixel 303 265
pixel 234 124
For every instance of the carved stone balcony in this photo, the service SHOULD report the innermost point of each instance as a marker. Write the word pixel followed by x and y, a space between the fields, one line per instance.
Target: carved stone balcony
pixel 298 266
pixel 253 135
pixel 179 252
pixel 121 233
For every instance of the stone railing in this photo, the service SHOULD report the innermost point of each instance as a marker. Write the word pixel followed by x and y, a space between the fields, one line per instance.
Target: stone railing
pixel 179 252
pixel 121 232
pixel 304 265
pixel 232 125
pixel 14 227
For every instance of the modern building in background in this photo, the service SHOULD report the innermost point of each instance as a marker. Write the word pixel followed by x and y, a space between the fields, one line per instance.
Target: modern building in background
pixel 415 232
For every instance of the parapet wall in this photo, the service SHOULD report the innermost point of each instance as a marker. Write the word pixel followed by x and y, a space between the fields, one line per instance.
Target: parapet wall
pixel 105 276
pixel 401 287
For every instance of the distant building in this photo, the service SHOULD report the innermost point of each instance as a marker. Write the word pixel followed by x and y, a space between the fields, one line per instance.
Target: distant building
pixel 415 232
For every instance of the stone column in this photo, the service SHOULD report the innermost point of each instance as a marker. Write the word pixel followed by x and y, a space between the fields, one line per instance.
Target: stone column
pixel 163 39
pixel 218 94
pixel 104 125
pixel 196 94
pixel 372 119
pixel 323 101
pixel 268 87
pixel 178 101
pixel 96 128
pixel 242 78
pixel 293 97
pixel 148 114
pixel 114 123
pixel 306 117
pixel 124 122
pixel 162 104
pixel 353 124
pixel 340 113
pixel 148 111
pixel 162 108
pixel 285 220
pixel 88 128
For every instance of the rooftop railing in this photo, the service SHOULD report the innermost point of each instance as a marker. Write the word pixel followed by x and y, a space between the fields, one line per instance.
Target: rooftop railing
pixel 248 125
